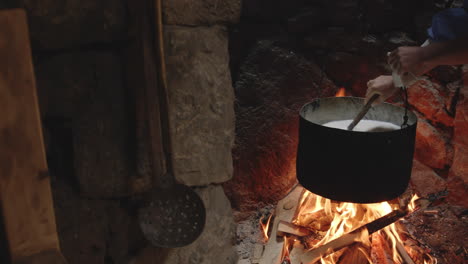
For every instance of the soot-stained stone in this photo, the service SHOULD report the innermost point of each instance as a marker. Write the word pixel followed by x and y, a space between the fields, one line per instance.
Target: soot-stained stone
pixel 458 175
pixel 203 12
pixel 425 181
pixel 432 147
pixel 274 83
pixel 429 98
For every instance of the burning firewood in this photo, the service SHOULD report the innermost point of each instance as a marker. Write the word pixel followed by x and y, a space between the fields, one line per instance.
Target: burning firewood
pixel 379 250
pixel 318 220
pixel 355 254
pixel 334 245
pixel 288 228
pixel 415 252
pixel 403 253
pixel 359 234
pixel 309 242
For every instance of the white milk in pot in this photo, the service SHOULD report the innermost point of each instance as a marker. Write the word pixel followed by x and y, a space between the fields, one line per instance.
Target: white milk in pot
pixel 364 125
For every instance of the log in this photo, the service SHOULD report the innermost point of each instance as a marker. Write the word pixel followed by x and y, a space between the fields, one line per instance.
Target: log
pixel 274 246
pixel 288 228
pixel 354 254
pixel 318 220
pixel 334 245
pixel 403 253
pixel 357 235
pixel 311 240
pixel 47 257
pixel 414 251
pixel 386 220
pixel 27 211
pixel 379 250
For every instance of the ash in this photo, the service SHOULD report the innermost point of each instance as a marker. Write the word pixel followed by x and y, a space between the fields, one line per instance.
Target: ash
pixel 249 234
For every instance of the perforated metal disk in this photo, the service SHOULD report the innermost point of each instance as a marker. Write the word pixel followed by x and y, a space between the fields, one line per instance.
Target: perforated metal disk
pixel 175 217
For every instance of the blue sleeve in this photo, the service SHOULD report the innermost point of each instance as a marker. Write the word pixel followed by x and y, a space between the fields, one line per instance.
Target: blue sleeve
pixel 449 24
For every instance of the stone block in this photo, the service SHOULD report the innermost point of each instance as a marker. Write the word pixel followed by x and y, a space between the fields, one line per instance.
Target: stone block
pixel 430 98
pixel 425 181
pixel 458 174
pixel 446 74
pixel 460 162
pixel 267 113
pixel 56 24
pixel 216 243
pixel 431 146
pixel 458 191
pixel 202 103
pixel 204 12
pixel 461 118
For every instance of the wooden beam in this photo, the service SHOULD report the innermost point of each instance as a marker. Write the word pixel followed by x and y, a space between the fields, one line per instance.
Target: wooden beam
pixel 45 257
pixel 25 194
pixel 141 76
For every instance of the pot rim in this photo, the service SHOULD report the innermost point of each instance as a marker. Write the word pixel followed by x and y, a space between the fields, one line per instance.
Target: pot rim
pixel 412 118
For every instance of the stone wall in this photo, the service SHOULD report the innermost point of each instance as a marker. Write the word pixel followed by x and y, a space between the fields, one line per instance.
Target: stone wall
pixel 87 106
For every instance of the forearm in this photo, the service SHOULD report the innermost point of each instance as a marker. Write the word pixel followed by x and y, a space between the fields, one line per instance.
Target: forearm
pixel 454 52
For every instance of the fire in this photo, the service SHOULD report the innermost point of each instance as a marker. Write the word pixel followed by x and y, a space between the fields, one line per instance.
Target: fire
pixel 265 227
pixel 341 92
pixel 412 204
pixel 331 220
pixel 285 257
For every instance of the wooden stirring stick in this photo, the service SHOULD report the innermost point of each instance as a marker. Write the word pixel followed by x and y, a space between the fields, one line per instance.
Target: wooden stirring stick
pixel 363 112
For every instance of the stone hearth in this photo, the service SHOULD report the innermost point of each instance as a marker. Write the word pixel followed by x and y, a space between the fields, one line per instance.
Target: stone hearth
pixel 238 73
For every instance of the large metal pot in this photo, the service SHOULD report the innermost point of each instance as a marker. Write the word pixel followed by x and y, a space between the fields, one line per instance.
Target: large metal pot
pixel 360 167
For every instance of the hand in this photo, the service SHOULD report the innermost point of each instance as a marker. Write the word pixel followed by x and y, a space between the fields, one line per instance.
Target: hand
pixel 407 59
pixel 382 85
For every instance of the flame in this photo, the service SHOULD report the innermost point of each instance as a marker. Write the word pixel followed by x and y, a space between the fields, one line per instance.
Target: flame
pixel 412 204
pixel 265 227
pixel 285 257
pixel 335 219
pixel 341 92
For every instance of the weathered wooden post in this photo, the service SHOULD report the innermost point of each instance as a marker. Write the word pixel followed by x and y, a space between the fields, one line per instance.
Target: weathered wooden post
pixel 27 211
